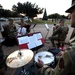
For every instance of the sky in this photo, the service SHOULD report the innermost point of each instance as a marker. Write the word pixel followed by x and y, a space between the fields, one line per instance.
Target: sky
pixel 52 6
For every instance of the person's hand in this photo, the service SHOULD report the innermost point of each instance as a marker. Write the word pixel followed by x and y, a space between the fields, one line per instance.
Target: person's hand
pixel 40 63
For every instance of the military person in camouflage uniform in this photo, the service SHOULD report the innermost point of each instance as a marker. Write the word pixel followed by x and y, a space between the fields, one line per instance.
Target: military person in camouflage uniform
pixel 66 63
pixel 10 33
pixel 10 29
pixel 60 33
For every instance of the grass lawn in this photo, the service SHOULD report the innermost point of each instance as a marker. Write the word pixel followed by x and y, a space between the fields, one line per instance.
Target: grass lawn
pixel 43 22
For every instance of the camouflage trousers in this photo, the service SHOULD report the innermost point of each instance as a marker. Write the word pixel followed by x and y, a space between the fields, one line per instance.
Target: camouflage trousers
pixel 56 38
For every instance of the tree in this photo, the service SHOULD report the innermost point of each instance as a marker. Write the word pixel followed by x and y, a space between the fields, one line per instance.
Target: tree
pixel 31 10
pixel 1 9
pixel 55 16
pixel 7 13
pixel 14 8
pixel 65 17
pixel 45 15
pixel 1 6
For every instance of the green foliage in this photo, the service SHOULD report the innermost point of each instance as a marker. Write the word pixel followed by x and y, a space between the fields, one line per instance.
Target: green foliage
pixel 45 15
pixel 40 21
pixel 31 10
pixel 54 16
pixel 57 16
pixel 7 13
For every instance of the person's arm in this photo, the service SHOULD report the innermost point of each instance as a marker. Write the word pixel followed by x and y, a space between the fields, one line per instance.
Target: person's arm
pixel 45 70
pixel 40 63
pixel 54 28
pixel 57 31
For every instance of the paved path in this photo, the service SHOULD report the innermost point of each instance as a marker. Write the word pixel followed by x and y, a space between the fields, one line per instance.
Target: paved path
pixel 41 28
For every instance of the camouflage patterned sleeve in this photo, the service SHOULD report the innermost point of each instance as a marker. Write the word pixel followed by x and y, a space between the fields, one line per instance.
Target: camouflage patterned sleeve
pixel 57 31
pixel 45 70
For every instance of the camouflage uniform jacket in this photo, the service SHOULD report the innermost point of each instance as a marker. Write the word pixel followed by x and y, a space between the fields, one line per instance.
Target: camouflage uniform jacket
pixel 61 32
pixel 10 30
pixel 65 65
